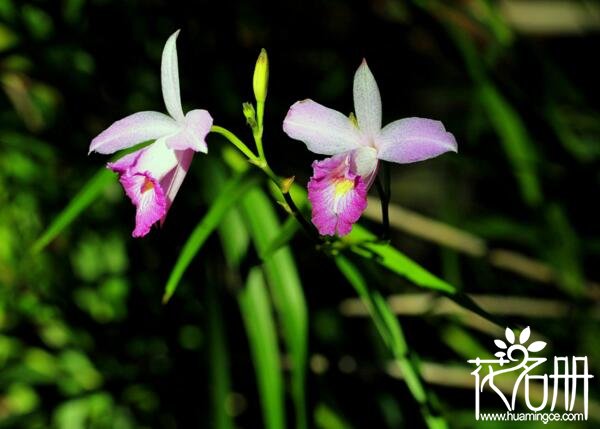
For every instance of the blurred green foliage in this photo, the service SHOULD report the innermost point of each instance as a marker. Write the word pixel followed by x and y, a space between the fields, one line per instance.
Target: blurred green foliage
pixel 85 341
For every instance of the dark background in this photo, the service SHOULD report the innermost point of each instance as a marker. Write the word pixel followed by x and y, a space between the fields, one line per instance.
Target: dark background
pixel 84 338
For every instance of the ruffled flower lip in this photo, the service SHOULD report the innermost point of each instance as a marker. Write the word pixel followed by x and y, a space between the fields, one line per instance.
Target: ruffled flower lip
pixel 337 194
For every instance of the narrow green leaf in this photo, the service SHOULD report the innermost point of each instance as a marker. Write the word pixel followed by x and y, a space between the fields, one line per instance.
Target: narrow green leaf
pixel 233 233
pixel 326 418
pixel 506 121
pixel 563 250
pixel 260 327
pixel 220 379
pixel 391 258
pixel 284 282
pixel 231 193
pixel 391 332
pixel 286 233
pixel 515 139
pixel 88 194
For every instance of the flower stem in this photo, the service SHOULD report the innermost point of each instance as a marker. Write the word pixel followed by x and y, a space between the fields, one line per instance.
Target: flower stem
pixel 305 224
pixel 384 191
pixel 261 163
pixel 233 139
pixel 260 112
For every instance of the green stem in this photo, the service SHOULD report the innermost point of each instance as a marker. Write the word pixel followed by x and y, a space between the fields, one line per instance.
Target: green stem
pixel 261 163
pixel 260 112
pixel 308 227
pixel 233 139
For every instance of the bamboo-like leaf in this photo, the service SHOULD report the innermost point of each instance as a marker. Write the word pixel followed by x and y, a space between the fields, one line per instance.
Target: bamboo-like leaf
pixel 505 119
pixel 260 327
pixel 86 196
pixel 233 190
pixel 515 139
pixel 394 260
pixel 284 281
pixel 391 332
pixel 285 234
pixel 326 418
pixel 220 383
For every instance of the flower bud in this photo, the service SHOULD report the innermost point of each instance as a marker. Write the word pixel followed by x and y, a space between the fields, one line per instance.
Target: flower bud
pixel 261 77
pixel 249 114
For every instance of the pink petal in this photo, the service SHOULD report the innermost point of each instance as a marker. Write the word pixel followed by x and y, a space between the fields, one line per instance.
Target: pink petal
pixel 323 130
pixel 367 101
pixel 414 139
pixel 133 129
pixel 338 196
pixel 126 162
pixel 193 134
pixel 151 178
pixel 172 181
pixel 169 77
pixel 148 197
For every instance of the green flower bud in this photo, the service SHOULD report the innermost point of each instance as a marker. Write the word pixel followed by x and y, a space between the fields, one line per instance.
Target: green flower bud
pixel 249 114
pixel 261 77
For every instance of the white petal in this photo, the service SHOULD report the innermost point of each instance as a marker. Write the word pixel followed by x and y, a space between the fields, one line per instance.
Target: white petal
pixel 365 161
pixel 323 130
pixel 133 129
pixel 414 139
pixel 169 76
pixel 196 126
pixel 367 101
pixel 157 159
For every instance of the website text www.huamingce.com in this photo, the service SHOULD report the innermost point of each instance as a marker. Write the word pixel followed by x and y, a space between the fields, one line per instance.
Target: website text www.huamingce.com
pixel 530 417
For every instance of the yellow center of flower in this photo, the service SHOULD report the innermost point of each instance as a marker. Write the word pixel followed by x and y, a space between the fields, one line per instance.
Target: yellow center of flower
pixel 343 186
pixel 147 186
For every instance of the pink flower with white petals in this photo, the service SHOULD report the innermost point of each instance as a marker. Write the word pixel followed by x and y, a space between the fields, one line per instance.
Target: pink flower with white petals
pixel 152 175
pixel 338 188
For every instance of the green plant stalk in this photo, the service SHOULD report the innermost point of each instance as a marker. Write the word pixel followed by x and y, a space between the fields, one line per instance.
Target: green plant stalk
pixel 296 213
pixel 233 139
pixel 258 132
pixel 261 163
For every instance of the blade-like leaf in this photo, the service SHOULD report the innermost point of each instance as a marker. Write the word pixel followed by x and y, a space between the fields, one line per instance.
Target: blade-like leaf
pixel 394 260
pixel 86 196
pixel 286 233
pixel 230 194
pixel 220 378
pixel 260 328
pixel 390 330
pixel 524 336
pixel 506 121
pixel 284 282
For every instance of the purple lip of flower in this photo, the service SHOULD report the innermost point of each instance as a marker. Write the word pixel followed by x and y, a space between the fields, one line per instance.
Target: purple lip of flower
pixel 152 175
pixel 336 188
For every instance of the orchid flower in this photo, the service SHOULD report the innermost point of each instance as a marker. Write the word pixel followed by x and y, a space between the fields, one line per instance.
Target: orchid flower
pixel 151 176
pixel 339 185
